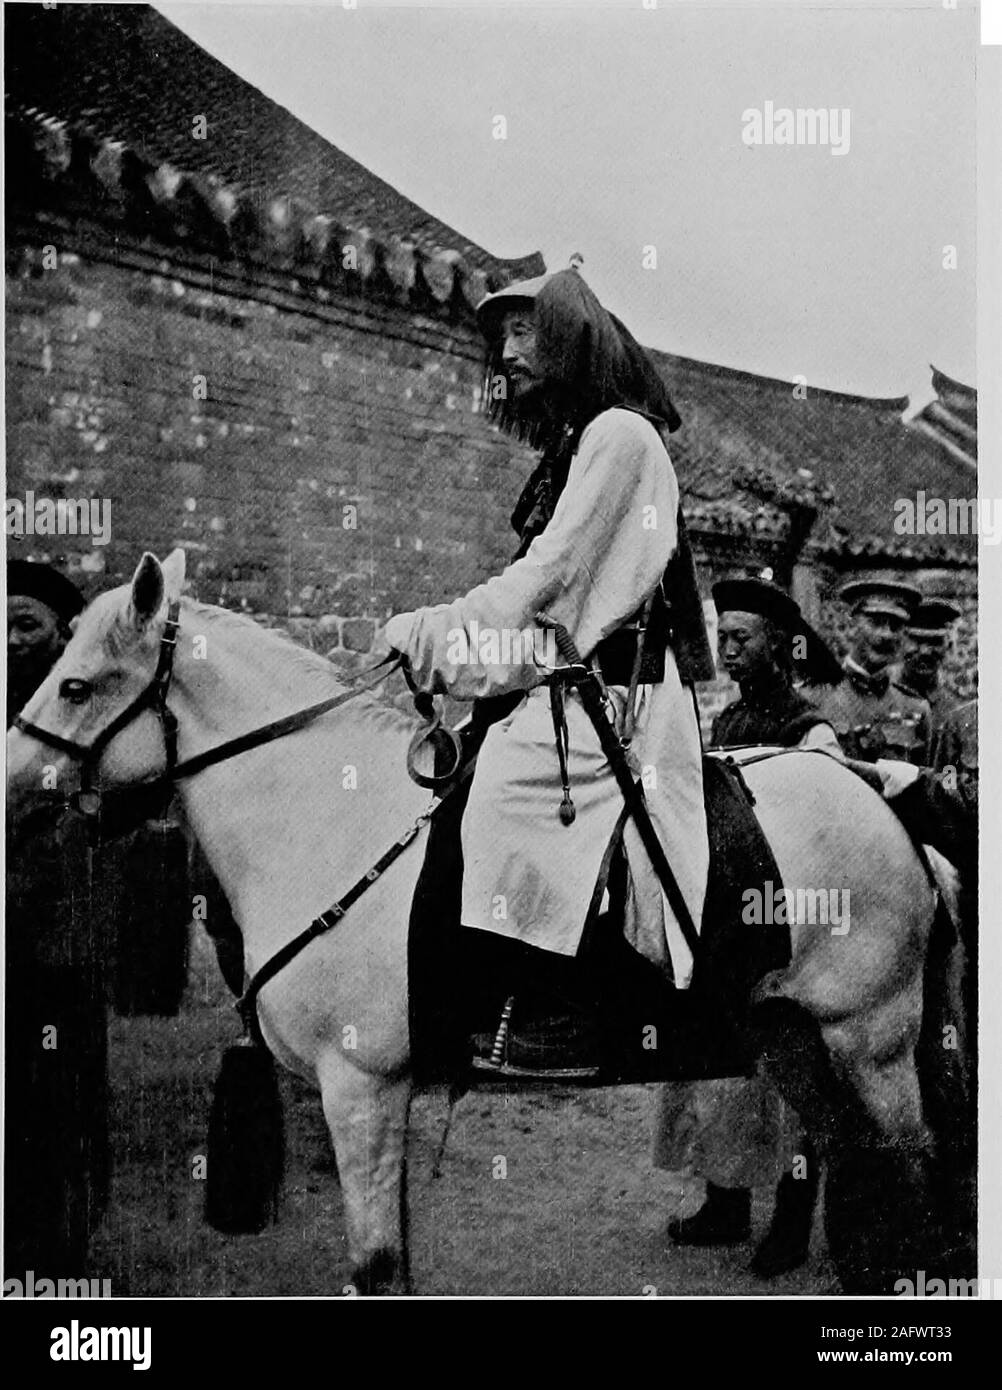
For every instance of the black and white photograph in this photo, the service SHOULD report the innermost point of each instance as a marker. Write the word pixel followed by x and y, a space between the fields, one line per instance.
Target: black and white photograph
pixel 493 530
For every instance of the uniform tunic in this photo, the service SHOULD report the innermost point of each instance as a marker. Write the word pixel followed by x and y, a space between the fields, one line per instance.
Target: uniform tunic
pixel 605 549
pixel 940 702
pixel 957 744
pixel 874 718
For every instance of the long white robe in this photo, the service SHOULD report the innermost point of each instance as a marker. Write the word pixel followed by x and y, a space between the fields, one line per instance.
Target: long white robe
pixel 602 554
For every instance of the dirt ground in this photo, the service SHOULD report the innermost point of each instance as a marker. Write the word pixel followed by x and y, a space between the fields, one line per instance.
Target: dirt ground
pixel 580 1210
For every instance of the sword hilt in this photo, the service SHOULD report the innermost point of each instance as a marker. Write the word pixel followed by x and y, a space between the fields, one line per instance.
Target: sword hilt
pixel 565 642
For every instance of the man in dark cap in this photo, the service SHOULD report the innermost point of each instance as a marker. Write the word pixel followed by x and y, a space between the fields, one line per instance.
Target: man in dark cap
pixel 56 1165
pixel 603 550
pixel 737 1133
pixel 870 715
pixel 927 641
pixel 41 604
pixel 762 639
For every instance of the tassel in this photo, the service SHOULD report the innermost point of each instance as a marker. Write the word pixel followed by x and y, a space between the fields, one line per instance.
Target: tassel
pixel 246 1145
pixel 566 811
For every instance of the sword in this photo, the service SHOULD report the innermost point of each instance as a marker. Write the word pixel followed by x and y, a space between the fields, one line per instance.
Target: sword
pixel 596 706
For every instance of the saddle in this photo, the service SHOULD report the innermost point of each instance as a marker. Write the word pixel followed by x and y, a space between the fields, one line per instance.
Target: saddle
pixel 486 1010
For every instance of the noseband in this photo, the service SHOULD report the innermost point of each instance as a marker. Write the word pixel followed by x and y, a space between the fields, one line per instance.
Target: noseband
pixel 152 697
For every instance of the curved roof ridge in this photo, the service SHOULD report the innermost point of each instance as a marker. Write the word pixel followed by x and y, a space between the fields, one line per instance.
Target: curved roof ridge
pixel 892 403
pixel 941 378
pixel 125 72
pixel 200 209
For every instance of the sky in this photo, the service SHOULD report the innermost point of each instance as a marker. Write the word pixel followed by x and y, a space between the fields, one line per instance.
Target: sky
pixel 624 128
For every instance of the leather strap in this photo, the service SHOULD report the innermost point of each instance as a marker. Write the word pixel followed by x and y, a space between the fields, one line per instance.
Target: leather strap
pixel 279 728
pixel 246 1005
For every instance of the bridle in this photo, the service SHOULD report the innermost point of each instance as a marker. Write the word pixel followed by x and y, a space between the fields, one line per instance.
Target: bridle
pixel 153 697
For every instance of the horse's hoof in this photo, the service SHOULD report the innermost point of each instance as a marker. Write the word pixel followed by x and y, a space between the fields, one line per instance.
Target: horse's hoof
pixel 382 1274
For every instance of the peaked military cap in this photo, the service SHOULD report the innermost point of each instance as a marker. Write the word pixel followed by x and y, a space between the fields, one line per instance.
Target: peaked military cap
pixel 932 618
pixel 881 596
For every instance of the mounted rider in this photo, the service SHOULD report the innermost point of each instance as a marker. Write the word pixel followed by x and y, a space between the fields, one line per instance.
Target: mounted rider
pixel 603 551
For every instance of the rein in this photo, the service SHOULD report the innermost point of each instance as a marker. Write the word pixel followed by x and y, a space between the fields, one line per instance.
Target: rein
pixel 154 697
pixel 279 728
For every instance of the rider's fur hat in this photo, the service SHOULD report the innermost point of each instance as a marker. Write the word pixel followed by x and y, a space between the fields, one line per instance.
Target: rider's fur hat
pixel 47 585
pixel 581 346
pixel 494 306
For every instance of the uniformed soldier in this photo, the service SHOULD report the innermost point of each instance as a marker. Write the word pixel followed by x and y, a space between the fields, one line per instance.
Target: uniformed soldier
pixel 737 1133
pixel 870 715
pixel 939 807
pixel 927 641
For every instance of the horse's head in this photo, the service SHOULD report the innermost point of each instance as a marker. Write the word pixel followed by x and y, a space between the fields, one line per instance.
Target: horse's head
pixel 99 686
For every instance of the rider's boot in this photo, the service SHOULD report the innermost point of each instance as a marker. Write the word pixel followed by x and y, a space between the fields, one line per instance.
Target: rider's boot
pixel 787 1243
pixel 723 1219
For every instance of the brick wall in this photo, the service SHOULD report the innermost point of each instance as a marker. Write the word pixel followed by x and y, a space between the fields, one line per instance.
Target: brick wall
pixel 322 462
pixel 337 469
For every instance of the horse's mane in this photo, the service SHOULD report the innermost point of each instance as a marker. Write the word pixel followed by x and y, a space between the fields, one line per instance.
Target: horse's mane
pixel 313 668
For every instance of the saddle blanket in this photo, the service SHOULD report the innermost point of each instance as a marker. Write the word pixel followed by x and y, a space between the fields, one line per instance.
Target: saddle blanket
pixel 460 977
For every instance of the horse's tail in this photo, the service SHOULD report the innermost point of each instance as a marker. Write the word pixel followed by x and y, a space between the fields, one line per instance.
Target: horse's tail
pixel 246 1142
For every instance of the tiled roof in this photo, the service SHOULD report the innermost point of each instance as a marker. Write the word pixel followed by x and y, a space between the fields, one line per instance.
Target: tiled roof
pixel 848 457
pixel 69 173
pixel 950 418
pixel 107 129
pixel 129 76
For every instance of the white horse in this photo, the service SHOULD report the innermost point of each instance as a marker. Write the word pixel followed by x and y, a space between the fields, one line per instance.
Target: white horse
pixel 289 826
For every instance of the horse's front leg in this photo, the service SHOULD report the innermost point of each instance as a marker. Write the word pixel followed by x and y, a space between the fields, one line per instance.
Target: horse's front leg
pixel 367 1115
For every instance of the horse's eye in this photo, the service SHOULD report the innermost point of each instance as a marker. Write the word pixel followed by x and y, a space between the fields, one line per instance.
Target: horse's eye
pixel 78 692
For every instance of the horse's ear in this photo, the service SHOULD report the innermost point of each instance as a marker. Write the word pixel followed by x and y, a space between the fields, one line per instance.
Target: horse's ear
pixel 173 572
pixel 147 591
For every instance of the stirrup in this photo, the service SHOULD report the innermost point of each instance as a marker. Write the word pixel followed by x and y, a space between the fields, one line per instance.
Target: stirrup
pixel 499 1067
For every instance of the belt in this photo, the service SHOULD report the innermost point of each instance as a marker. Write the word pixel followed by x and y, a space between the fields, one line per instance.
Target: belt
pixel 616 654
